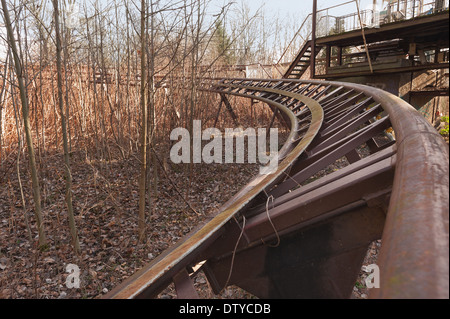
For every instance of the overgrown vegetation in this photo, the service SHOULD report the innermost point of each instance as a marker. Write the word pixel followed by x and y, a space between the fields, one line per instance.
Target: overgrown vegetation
pixel 90 91
pixel 444 131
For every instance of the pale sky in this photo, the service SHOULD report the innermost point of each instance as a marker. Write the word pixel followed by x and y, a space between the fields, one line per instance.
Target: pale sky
pixel 283 8
pixel 305 6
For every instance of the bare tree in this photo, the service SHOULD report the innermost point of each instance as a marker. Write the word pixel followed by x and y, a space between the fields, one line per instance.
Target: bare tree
pixel 144 128
pixel 68 175
pixel 20 74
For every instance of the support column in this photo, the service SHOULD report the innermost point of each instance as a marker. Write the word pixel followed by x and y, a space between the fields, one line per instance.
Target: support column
pixel 313 40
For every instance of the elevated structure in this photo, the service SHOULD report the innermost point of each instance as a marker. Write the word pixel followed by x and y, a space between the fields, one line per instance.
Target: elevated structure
pixel 399 46
pixel 294 234
pixel 407 36
pixel 287 236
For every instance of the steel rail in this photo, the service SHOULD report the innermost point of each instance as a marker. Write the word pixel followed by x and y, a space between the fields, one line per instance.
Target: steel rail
pixel 151 279
pixel 402 185
pixel 415 250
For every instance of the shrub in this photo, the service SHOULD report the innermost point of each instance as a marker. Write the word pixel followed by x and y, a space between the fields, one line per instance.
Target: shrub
pixel 444 130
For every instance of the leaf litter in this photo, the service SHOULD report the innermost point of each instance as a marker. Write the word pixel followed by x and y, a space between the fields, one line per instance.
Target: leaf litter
pixel 106 205
pixel 105 199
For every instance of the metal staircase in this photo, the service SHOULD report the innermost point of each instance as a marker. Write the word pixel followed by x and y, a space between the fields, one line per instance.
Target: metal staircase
pixel 301 62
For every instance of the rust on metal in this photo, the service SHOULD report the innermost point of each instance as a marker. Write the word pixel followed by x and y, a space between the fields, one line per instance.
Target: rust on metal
pixel 291 235
pixel 137 284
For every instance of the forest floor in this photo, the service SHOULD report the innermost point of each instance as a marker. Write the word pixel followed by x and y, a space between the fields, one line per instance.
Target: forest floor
pixel 105 203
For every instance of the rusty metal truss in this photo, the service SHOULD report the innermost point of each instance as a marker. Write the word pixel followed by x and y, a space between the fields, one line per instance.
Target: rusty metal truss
pixel 291 234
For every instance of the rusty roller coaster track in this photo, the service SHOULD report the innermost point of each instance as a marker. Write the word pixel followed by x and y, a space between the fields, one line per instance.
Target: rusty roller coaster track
pixel 289 235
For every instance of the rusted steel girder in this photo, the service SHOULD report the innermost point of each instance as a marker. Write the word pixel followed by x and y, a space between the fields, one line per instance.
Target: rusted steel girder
pixel 150 280
pixel 284 235
pixel 414 260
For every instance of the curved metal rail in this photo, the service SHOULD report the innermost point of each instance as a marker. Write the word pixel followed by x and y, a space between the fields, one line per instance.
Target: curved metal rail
pixel 290 235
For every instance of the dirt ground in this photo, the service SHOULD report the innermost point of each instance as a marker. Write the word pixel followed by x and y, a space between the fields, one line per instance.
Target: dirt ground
pixel 105 204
